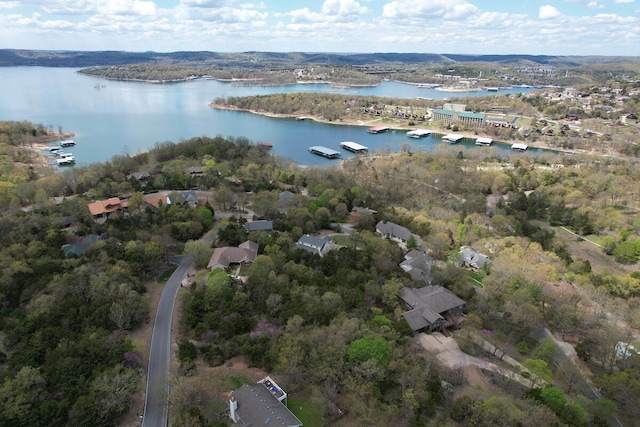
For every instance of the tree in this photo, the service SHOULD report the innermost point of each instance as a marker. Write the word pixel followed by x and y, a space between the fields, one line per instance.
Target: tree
pixel 538 371
pixel 554 398
pixel 21 396
pixel 412 243
pixel 370 347
pixel 199 252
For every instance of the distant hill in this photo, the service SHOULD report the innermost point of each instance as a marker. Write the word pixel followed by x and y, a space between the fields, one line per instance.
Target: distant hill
pixel 49 58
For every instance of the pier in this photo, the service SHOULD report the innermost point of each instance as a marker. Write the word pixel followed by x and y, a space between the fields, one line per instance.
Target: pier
pixel 324 152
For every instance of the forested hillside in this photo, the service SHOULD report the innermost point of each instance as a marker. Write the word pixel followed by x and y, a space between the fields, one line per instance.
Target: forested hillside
pixel 329 327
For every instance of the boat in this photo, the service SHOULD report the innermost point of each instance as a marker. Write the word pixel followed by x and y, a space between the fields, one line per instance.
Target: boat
pixel 54 149
pixel 377 129
pixel 418 133
pixel 67 143
pixel 324 152
pixel 354 147
pixel 301 118
pixel 519 146
pixel 452 138
pixel 266 145
pixel 492 89
pixel 484 141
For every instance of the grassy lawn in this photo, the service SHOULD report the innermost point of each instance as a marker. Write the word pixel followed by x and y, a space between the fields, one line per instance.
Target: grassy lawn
pixel 306 412
pixel 343 240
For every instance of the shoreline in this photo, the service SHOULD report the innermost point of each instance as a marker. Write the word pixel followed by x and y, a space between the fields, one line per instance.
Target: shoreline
pixel 42 144
pixel 392 125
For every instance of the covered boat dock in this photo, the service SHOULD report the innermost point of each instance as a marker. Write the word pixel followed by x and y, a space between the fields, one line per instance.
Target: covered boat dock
pixel 452 138
pixel 354 147
pixel 377 129
pixel 324 152
pixel 418 133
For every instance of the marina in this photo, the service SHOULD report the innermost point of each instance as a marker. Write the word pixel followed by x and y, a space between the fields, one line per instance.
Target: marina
pixel 484 141
pixel 519 147
pixel 377 129
pixel 324 152
pixel 66 161
pixel 354 147
pixel 418 133
pixel 452 138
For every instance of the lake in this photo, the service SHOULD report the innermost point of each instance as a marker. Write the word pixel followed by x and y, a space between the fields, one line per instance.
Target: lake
pixel 117 117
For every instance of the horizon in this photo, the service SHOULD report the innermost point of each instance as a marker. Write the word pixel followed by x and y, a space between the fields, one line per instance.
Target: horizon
pixel 462 27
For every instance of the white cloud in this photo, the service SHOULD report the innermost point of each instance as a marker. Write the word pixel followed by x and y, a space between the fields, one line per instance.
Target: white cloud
pixel 428 9
pixel 625 1
pixel 343 8
pixel 547 12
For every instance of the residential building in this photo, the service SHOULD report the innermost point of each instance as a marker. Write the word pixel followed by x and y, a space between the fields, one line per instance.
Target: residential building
pixel 261 403
pixel 418 265
pixel 229 256
pixel 431 308
pixel 80 245
pixel 474 259
pixel 102 209
pixel 313 244
pixel 392 231
pixel 259 225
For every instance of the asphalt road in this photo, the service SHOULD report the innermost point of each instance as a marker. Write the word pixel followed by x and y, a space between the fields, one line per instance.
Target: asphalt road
pixel 156 404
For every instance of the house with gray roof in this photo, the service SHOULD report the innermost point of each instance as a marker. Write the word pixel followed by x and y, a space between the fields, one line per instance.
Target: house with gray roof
pixel 261 403
pixel 392 231
pixel 259 225
pixel 472 258
pixel 418 265
pixel 80 245
pixel 313 244
pixel 228 256
pixel 431 308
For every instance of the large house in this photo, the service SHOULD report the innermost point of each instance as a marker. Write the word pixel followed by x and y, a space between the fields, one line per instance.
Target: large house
pixel 418 265
pixel 313 244
pixel 392 231
pixel 228 256
pixel 474 259
pixel 102 209
pixel 260 404
pixel 431 308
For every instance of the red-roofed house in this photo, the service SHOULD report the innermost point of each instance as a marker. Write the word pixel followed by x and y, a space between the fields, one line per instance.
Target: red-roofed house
pixel 102 209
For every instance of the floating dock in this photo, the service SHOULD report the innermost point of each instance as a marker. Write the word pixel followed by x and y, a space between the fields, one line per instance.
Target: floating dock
pixel 266 145
pixel 519 146
pixel 418 133
pixel 67 143
pixel 354 147
pixel 484 141
pixel 452 138
pixel 66 161
pixel 324 152
pixel 378 129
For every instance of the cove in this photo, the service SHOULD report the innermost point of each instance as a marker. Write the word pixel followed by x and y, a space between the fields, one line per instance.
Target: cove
pixel 122 117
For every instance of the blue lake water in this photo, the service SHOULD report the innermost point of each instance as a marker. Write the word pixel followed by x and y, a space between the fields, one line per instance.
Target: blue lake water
pixel 117 117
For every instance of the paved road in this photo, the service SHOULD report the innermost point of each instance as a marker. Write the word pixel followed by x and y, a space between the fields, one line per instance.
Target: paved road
pixel 157 394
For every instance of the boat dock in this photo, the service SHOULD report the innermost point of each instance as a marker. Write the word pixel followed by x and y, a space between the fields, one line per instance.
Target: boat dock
pixel 519 146
pixel 377 129
pixel 324 152
pixel 67 143
pixel 418 133
pixel 354 147
pixel 66 161
pixel 452 138
pixel 484 141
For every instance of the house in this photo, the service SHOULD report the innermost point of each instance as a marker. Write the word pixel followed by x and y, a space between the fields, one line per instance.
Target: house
pixel 194 171
pixel 261 403
pixel 228 256
pixel 392 231
pixel 142 176
pixel 284 200
pixel 259 225
pixel 313 244
pixel 102 209
pixel 418 265
pixel 474 259
pixel 80 246
pixel 431 308
pixel 182 197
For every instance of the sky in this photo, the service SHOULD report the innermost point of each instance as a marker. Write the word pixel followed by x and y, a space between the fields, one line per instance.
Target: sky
pixel 548 27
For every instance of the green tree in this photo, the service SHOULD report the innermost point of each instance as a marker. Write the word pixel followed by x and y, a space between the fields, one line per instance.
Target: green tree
pixel 539 371
pixel 412 243
pixel 199 252
pixel 370 347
